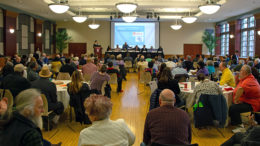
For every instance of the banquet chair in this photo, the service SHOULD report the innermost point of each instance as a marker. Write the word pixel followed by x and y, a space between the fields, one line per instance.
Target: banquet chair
pixel 153 86
pixel 145 78
pixel 6 93
pixel 87 77
pixel 103 87
pixel 46 113
pixel 156 144
pixel 128 65
pixel 113 78
pixel 63 76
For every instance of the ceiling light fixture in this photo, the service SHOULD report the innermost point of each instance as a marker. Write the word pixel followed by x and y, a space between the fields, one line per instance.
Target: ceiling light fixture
pixel 176 26
pixel 129 18
pixel 79 18
pixel 189 19
pixel 59 8
pixel 126 7
pixel 94 25
pixel 39 34
pixel 210 7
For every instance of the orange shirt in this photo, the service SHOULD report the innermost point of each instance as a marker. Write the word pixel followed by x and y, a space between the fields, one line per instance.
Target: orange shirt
pixel 251 94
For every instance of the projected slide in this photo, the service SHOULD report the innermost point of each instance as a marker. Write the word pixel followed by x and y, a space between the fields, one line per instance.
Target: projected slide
pixel 134 34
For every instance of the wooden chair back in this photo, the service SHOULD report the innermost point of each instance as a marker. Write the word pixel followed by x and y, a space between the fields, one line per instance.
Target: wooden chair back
pixel 113 78
pixel 7 93
pixel 63 76
pixel 103 87
pixel 128 64
pixel 45 105
pixel 87 77
pixel 153 86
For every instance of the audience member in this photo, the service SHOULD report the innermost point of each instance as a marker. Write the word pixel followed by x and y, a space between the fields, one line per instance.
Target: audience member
pixel 205 87
pixel 56 65
pixel 210 67
pixel 128 57
pixel 179 70
pixel 161 68
pixel 89 67
pixel 78 92
pixel 17 60
pixel 170 63
pixel 233 64
pixel 103 130
pixel 167 124
pixel 26 122
pixel 227 76
pixel 239 66
pixel 166 81
pixel 111 70
pixel 44 59
pixel 32 75
pixel 98 78
pixel 148 58
pixel 246 97
pixel 188 65
pixel 48 88
pixel 257 63
pixel 67 68
pixel 160 58
pixel 202 69
pixel 83 59
pixel 151 70
pixel 236 56
pixel 15 82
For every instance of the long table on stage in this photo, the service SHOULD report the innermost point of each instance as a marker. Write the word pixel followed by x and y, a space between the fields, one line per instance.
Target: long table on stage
pixel 134 54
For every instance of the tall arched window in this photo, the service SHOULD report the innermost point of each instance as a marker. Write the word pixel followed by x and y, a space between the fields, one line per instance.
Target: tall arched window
pixel 248 36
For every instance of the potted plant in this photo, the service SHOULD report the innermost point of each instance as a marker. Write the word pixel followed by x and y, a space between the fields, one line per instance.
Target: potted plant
pixel 210 40
pixel 62 39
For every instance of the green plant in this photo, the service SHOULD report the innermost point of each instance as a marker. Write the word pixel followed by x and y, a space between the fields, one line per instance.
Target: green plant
pixel 62 39
pixel 209 40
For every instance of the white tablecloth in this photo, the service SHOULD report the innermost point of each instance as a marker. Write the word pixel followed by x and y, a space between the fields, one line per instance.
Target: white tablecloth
pixel 187 94
pixel 62 94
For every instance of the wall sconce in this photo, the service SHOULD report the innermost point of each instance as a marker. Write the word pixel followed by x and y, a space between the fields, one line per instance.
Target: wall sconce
pixel 258 32
pixel 231 36
pixel 11 30
pixel 39 34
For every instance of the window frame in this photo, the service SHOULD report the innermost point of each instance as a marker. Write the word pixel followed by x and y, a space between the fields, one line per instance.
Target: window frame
pixel 224 32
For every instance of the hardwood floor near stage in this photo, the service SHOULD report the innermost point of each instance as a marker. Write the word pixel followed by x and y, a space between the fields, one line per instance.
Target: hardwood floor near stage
pixel 132 105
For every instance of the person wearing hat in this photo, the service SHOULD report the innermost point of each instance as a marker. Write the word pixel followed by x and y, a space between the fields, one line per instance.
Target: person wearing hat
pixel 48 88
pixel 15 81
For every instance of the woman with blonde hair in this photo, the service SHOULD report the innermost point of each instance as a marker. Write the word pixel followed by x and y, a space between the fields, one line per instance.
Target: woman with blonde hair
pixel 104 131
pixel 78 92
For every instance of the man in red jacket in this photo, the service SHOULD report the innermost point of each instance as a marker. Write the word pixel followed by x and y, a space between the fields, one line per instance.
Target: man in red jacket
pixel 246 97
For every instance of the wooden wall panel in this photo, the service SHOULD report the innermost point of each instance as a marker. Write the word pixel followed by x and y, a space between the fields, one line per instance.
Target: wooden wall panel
pixel 9 38
pixel 257 42
pixel 232 41
pixel 192 50
pixel 38 39
pixel 217 31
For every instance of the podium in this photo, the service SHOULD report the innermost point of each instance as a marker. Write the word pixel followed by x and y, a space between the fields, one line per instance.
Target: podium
pixel 98 51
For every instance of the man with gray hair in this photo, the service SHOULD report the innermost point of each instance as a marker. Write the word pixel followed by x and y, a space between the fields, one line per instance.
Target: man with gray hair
pixel 246 97
pixel 257 63
pixel 25 126
pixel 239 66
pixel 167 124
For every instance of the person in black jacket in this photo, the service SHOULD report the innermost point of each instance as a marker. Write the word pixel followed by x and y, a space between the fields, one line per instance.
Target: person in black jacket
pixel 111 70
pixel 49 90
pixel 166 81
pixel 15 82
pixel 78 92
pixel 67 67
pixel 188 65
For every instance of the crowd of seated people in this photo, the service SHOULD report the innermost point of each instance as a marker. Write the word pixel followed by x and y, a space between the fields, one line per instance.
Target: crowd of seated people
pixel 19 75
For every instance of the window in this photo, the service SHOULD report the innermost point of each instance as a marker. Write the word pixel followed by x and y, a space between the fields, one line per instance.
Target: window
pixel 224 36
pixel 248 37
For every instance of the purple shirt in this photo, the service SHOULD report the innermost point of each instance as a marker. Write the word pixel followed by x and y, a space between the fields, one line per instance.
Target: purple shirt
pixel 97 80
pixel 204 71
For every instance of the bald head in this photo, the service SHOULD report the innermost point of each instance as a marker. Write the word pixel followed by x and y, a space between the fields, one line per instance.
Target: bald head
pixel 167 97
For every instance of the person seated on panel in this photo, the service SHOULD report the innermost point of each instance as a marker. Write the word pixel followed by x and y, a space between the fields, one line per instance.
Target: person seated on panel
pixel 144 49
pixel 246 97
pixel 111 70
pixel 137 48
pixel 125 47
pixel 104 131
pixel 98 78
pixel 167 125
pixel 202 68
pixel 151 48
pixel 67 68
pixel 78 92
pixel 227 76
pixel 160 50
pixel 117 48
